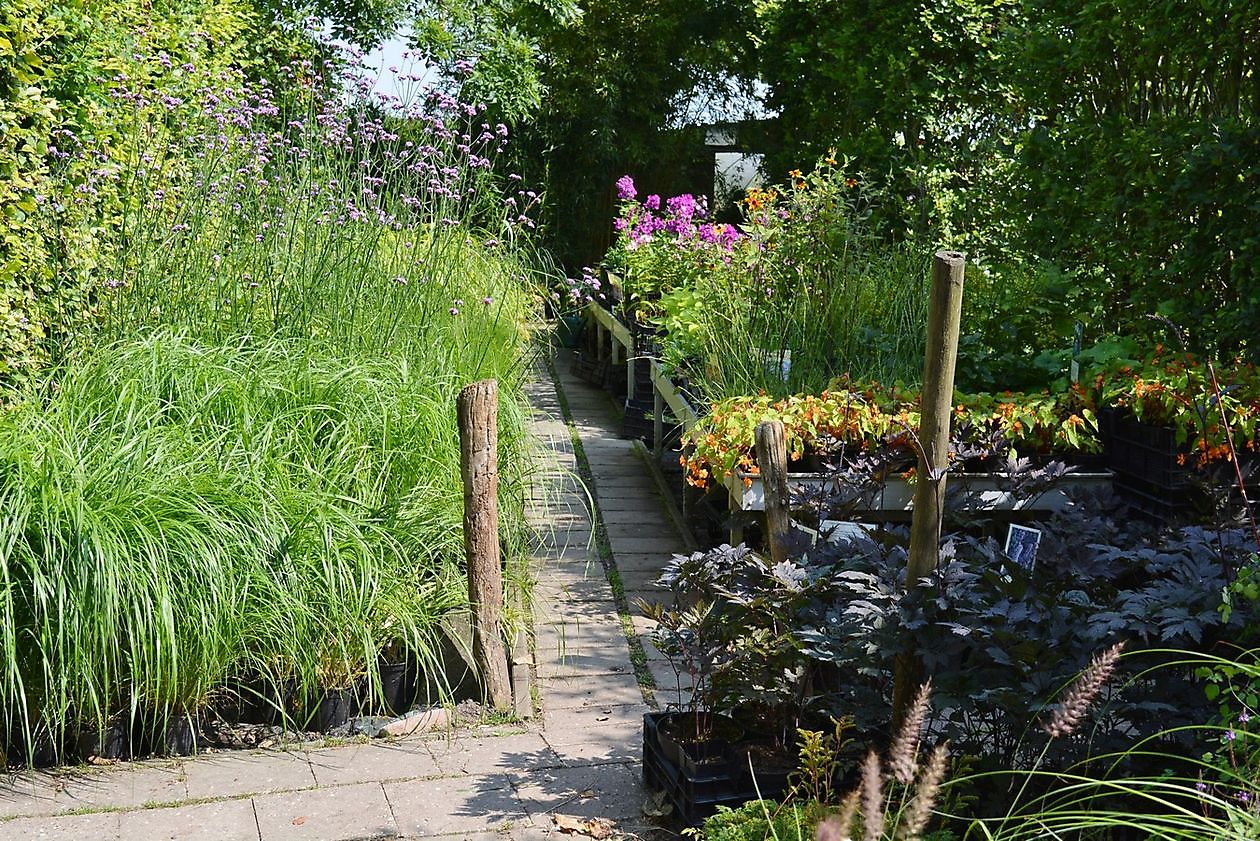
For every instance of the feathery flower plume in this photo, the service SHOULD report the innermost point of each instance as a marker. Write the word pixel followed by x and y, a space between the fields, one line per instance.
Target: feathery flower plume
pixel 905 745
pixel 831 829
pixel 920 808
pixel 847 815
pixel 872 798
pixel 1082 693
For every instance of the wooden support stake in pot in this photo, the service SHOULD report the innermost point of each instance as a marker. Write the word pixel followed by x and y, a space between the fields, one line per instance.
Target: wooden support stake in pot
pixel 478 409
pixel 944 319
pixel 772 459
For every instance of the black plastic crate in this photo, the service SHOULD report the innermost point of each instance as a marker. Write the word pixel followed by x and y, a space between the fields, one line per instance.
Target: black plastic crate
pixel 697 790
pixel 589 369
pixel 638 421
pixel 1156 475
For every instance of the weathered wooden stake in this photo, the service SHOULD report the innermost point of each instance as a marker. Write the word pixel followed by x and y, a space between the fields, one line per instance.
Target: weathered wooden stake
pixel 772 459
pixel 478 410
pixel 944 320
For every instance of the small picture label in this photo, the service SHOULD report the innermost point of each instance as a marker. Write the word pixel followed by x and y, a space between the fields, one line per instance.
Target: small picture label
pixel 1021 545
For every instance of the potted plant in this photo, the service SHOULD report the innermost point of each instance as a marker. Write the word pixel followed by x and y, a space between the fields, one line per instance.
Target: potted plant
pixel 728 628
pixel 1174 425
pixel 856 421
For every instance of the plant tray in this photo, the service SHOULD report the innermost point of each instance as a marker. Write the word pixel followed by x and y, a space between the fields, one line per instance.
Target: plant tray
pixel 589 369
pixel 698 791
pixel 748 493
pixel 1149 476
pixel 638 421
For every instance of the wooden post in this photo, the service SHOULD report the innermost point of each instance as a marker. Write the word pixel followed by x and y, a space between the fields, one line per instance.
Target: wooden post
pixel 658 422
pixel 630 377
pixel 478 409
pixel 772 459
pixel 944 320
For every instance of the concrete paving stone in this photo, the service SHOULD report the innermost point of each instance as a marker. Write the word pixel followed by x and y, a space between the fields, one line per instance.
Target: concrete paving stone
pixel 641 565
pixel 649 648
pixel 467 754
pixel 101 826
pixel 27 794
pixel 237 774
pixel 580 558
pixel 125 786
pixel 586 665
pixel 603 472
pixel 652 549
pixel 597 791
pixel 644 528
pixel 597 623
pixel 565 513
pixel 599 753
pixel 547 593
pixel 222 820
pixel 579 613
pixel 563 537
pixel 601 690
pixel 553 596
pixel 666 679
pixel 645 593
pixel 326 814
pixel 623 486
pixel 509 833
pixel 556 574
pixel 631 521
pixel 607 726
pixel 373 762
pixel 614 505
pixel 468 805
pixel 553 643
pixel 640 622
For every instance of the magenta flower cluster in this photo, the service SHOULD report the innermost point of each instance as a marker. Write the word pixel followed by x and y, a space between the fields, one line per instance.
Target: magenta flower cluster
pixel 683 223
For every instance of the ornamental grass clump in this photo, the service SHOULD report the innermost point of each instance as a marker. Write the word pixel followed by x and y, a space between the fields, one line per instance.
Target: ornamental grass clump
pixel 246 477
pixel 1204 796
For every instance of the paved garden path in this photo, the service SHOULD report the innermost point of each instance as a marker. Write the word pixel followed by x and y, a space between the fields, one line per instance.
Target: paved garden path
pixel 580 757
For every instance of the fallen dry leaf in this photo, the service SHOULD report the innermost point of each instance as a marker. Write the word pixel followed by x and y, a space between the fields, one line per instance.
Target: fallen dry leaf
pixel 299 821
pixel 598 828
pixel 657 805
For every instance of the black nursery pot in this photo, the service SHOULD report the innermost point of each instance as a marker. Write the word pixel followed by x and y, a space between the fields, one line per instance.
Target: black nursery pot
pixel 179 737
pixel 163 733
pixel 43 751
pixel 111 742
pixel 398 686
pixel 335 708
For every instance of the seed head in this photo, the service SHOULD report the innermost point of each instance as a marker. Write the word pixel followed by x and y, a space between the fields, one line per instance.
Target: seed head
pixel 920 808
pixel 872 798
pixel 1083 692
pixel 905 745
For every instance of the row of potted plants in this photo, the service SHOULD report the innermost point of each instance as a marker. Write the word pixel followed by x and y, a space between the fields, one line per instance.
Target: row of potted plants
pixel 1176 395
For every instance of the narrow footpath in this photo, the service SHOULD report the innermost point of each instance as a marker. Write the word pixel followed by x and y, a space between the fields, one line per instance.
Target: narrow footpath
pixel 578 756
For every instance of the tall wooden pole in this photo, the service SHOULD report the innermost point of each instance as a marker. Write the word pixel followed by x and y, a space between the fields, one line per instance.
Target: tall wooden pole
pixel 772 459
pixel 944 320
pixel 478 410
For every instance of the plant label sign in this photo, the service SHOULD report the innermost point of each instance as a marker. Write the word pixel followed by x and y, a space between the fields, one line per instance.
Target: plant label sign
pixel 1021 545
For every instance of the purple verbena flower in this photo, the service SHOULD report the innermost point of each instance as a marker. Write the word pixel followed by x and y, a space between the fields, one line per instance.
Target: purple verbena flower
pixel 625 188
